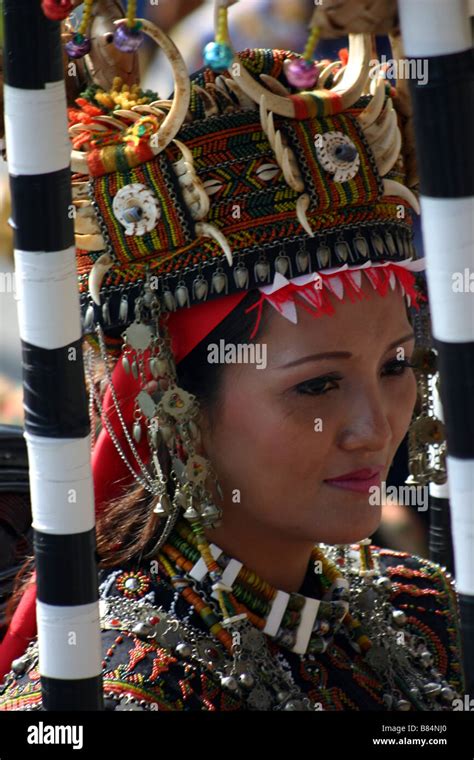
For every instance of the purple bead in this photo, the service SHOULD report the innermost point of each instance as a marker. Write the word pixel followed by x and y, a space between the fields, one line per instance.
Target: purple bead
pixel 301 73
pixel 78 47
pixel 127 39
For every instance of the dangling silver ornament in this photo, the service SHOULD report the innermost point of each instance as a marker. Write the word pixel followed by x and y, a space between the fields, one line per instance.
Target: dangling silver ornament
pixel 126 364
pixel 89 317
pixel 281 264
pixel 229 682
pixel 123 309
pixel 361 245
pixel 193 429
pixel 323 254
pixel 302 261
pixel 169 301
pixel 106 313
pixel 390 242
pixel 191 514
pixel 154 367
pixel 219 282
pixel 377 242
pixel 200 288
pixel 262 270
pixel 137 431
pixel 182 295
pixel 163 507
pixel 135 369
pixel 241 276
pixel 342 250
pixel 163 366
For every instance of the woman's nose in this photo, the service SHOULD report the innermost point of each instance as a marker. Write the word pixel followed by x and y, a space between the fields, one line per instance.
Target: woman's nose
pixel 367 424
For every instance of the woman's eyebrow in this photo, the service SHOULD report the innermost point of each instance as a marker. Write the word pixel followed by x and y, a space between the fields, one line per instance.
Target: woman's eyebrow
pixel 340 354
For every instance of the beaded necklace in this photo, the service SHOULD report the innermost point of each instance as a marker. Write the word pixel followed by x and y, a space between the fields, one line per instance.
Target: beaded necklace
pixel 302 624
pixel 297 622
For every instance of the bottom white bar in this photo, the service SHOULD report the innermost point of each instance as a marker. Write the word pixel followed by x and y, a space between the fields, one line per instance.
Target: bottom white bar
pixel 69 641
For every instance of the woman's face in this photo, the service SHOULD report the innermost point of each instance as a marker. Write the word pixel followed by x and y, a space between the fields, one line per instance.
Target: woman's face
pixel 278 434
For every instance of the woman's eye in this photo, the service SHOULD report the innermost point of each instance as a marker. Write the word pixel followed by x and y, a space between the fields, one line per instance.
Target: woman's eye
pixel 397 367
pixel 318 386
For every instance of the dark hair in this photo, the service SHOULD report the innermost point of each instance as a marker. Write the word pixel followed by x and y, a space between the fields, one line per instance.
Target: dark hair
pixel 133 513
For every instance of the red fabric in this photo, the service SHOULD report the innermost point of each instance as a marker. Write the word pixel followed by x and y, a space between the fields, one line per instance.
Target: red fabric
pixel 21 630
pixel 185 335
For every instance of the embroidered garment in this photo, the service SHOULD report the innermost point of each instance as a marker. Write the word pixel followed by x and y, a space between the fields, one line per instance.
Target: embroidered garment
pixel 149 662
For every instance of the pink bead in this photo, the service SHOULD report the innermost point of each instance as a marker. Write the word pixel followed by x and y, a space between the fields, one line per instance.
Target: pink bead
pixel 301 73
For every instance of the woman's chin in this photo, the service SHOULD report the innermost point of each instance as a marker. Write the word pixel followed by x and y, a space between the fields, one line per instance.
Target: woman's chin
pixel 349 525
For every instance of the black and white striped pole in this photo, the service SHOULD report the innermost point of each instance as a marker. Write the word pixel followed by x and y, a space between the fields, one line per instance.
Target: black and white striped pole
pixel 439 33
pixel 57 428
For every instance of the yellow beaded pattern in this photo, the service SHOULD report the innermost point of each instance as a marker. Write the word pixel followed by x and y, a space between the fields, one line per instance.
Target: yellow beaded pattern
pixel 121 95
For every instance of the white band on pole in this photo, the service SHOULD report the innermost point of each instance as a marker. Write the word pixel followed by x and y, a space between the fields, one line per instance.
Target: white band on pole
pixel 61 484
pixel 422 22
pixel 47 285
pixel 461 479
pixel 38 145
pixel 69 647
pixel 448 228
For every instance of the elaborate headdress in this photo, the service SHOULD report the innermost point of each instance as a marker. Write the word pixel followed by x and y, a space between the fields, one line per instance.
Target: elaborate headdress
pixel 265 170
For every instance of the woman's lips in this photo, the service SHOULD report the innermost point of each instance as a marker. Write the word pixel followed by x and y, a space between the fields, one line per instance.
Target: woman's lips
pixel 359 481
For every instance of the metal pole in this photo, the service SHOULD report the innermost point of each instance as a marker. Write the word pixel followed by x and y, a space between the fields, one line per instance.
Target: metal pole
pixel 57 428
pixel 437 35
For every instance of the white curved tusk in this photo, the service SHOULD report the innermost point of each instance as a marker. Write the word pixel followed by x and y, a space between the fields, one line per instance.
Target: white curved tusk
pixel 125 113
pixel 111 121
pixel 210 106
pixel 294 180
pixel 187 155
pixel 326 71
pixel 197 201
pixel 372 110
pixel 390 187
pixel 302 205
pixel 377 131
pixel 216 92
pixel 182 86
pixel 390 156
pixel 86 128
pixel 279 147
pixel 161 103
pixel 90 242
pixel 97 274
pixel 79 162
pixel 274 85
pixel 204 229
pixel 246 103
pixel 339 74
pixel 384 143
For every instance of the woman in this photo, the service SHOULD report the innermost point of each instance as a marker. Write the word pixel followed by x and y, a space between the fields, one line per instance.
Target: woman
pixel 230 580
